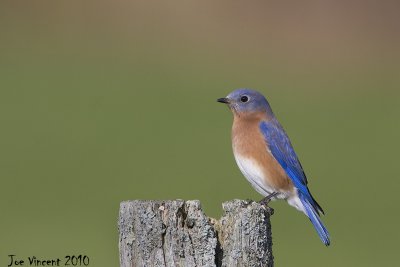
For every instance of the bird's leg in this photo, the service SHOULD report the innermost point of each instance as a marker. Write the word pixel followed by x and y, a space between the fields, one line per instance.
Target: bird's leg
pixel 268 198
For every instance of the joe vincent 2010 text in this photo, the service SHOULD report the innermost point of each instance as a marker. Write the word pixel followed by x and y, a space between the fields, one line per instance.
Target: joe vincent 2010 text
pixel 80 260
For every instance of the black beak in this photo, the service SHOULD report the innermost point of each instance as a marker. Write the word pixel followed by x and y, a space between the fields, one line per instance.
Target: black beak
pixel 223 100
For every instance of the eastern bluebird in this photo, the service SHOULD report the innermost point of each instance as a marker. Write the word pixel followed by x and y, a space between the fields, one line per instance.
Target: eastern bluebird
pixel 266 158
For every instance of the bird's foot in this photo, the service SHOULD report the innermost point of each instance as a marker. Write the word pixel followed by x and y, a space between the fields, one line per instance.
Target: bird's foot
pixel 268 198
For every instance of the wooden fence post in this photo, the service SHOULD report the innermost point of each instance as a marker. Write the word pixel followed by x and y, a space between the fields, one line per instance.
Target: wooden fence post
pixel 178 233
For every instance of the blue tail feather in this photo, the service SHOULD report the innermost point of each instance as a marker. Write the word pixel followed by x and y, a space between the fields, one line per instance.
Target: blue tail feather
pixel 315 220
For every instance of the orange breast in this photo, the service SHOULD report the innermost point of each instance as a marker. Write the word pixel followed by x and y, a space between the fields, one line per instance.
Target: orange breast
pixel 248 141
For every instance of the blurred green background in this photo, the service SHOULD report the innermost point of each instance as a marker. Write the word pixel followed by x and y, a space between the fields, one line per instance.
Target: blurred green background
pixel 105 101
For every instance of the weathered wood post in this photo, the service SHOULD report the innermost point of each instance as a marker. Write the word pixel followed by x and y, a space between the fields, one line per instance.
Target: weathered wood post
pixel 178 233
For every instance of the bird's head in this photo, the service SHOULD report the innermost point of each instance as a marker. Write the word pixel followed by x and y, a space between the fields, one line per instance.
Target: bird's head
pixel 247 102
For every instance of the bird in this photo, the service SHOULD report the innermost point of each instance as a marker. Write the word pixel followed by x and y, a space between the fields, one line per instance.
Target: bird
pixel 266 157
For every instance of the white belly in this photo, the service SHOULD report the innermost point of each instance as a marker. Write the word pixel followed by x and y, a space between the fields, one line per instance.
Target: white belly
pixel 254 175
pixel 257 179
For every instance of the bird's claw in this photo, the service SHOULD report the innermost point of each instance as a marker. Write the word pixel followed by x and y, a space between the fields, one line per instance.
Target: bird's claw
pixel 267 199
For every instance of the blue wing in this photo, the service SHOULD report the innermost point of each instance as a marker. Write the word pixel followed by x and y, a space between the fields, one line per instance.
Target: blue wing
pixel 281 148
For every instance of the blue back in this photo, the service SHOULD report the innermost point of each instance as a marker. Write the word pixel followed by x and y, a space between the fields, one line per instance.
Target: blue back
pixel 282 150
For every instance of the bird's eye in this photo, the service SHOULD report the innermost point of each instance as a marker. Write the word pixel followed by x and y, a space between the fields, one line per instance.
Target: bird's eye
pixel 244 99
